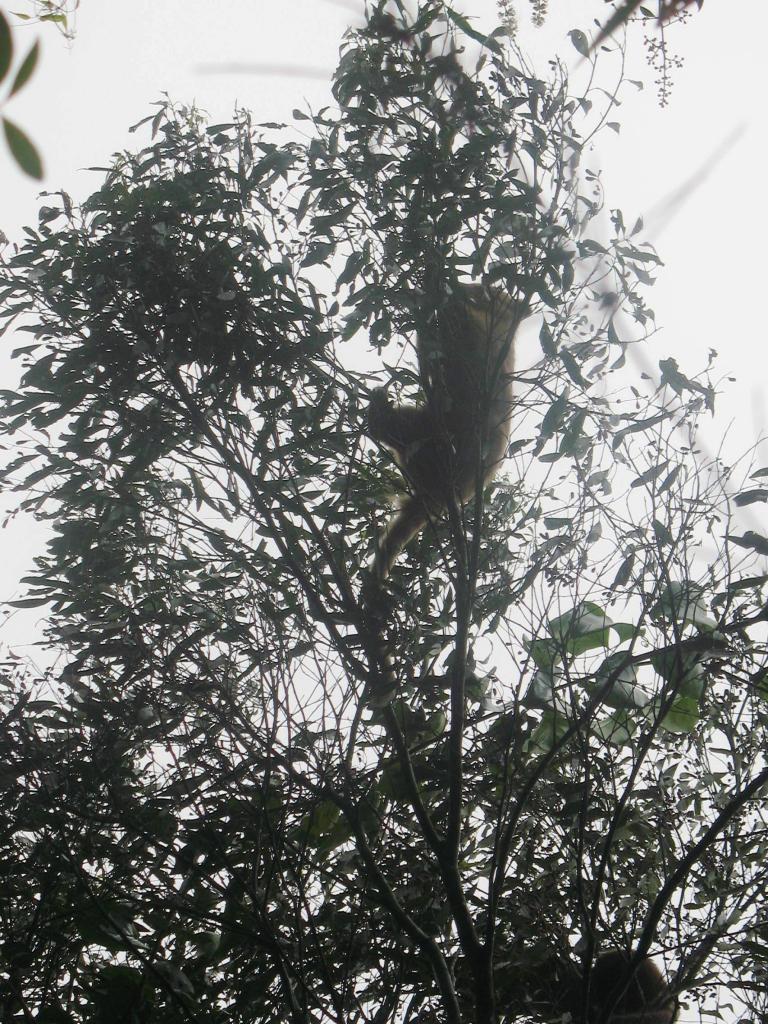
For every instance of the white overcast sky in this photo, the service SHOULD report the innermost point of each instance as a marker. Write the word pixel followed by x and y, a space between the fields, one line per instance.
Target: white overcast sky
pixel 704 152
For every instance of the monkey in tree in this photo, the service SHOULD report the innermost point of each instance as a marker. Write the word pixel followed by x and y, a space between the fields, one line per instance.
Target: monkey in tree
pixel 621 995
pixel 453 443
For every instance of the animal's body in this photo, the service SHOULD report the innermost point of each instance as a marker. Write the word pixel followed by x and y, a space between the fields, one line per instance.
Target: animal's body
pixel 454 442
pixel 642 997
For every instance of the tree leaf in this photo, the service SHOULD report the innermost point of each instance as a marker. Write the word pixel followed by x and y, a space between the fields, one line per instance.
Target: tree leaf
pixel 580 41
pixel 6 47
pixel 23 150
pixel 683 716
pixel 461 22
pixel 749 497
pixel 24 73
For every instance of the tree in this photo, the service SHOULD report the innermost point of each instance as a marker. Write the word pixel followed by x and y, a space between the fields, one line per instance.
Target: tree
pixel 212 813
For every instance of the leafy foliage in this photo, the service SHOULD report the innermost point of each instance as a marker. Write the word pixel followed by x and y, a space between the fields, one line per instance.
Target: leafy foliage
pixel 206 818
pixel 20 146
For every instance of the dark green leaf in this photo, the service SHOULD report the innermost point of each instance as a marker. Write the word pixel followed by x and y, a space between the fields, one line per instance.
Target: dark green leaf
pixel 624 572
pixel 750 497
pixel 120 995
pixel 572 367
pixel 25 71
pixel 318 253
pixel 662 533
pixel 650 474
pixel 670 478
pixel 546 340
pixel 23 150
pixel 554 416
pixel 580 41
pixel 6 46
pixel 30 602
pixel 461 22
pixel 751 539
pixel 683 716
pixel 351 268
pixel 747 583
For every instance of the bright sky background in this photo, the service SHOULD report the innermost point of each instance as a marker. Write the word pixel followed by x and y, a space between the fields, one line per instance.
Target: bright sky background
pixel 694 170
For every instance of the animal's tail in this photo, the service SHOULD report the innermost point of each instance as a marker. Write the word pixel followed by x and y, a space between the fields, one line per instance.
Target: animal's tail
pixel 411 517
pixel 406 522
